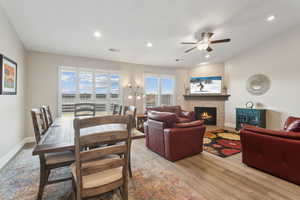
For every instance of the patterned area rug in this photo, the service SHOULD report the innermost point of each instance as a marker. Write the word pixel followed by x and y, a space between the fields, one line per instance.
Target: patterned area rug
pixel 19 181
pixel 222 142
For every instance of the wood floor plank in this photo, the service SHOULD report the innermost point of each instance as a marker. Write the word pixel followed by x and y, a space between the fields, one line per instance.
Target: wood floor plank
pixel 217 178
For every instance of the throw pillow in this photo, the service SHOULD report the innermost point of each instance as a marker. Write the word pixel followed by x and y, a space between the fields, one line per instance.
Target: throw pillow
pixel 294 126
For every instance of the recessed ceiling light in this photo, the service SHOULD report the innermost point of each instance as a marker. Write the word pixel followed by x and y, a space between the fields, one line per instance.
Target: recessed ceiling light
pixel 207 56
pixel 271 18
pixel 97 34
pixel 149 44
pixel 204 63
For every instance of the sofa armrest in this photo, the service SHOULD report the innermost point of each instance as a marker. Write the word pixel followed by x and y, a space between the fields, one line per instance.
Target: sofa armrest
pixel 183 142
pixel 155 136
pixel 283 134
pixel 188 114
pixel 189 124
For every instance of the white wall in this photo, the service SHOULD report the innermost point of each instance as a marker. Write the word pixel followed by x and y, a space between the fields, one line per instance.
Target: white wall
pixel 279 60
pixel 207 70
pixel 12 108
pixel 43 77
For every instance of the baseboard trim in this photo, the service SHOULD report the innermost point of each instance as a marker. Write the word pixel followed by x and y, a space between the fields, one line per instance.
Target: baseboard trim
pixel 6 158
pixel 230 125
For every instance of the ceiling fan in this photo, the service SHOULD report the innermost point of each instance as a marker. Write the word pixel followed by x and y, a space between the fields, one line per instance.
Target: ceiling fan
pixel 204 42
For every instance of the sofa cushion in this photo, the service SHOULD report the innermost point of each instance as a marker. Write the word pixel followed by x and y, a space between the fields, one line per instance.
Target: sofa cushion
pixel 294 126
pixel 189 124
pixel 284 134
pixel 172 109
pixel 159 109
pixel 183 120
pixel 289 121
pixel 167 117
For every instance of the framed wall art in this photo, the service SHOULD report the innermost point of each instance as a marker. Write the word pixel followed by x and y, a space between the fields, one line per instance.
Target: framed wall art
pixel 8 76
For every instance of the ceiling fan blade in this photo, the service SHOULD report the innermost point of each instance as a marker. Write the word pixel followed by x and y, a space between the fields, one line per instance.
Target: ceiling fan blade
pixel 209 49
pixel 220 41
pixel 188 43
pixel 191 49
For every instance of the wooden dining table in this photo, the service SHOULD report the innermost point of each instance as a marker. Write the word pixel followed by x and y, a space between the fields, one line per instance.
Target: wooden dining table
pixel 60 137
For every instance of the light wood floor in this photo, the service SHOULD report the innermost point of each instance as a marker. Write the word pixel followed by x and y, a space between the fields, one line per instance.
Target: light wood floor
pixel 217 178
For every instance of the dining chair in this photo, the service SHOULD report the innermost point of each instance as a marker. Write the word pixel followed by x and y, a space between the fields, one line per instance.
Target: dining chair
pixel 84 109
pixel 45 110
pixel 117 109
pixel 48 161
pixel 130 111
pixel 103 169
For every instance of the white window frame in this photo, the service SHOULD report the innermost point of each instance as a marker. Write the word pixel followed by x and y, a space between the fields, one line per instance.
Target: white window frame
pixel 159 77
pixel 93 71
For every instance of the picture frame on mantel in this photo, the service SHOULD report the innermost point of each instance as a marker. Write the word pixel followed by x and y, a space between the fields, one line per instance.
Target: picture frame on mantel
pixel 8 76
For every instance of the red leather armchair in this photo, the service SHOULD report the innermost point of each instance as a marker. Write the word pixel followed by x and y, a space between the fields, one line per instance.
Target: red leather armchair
pixel 182 115
pixel 275 152
pixel 173 140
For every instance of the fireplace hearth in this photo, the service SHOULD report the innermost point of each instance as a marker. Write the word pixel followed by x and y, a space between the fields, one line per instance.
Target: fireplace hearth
pixel 208 114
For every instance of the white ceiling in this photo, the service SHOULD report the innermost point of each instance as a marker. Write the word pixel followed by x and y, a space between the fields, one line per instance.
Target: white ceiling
pixel 67 27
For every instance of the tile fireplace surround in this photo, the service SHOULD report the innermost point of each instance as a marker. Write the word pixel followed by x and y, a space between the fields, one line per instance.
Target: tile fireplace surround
pixel 212 102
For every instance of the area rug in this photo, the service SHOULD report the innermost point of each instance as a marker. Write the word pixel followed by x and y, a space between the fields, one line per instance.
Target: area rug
pixel 19 181
pixel 222 142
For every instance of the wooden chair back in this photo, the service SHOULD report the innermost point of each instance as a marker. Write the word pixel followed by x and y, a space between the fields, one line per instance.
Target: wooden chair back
pixel 39 124
pixel 85 135
pixel 84 109
pixel 130 110
pixel 117 109
pixel 47 115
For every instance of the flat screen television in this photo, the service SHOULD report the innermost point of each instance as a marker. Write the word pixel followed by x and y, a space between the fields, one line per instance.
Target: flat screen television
pixel 206 85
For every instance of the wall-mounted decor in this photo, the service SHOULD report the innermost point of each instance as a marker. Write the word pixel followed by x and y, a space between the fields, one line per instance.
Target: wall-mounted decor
pixel 249 104
pixel 8 76
pixel 258 84
pixel 206 85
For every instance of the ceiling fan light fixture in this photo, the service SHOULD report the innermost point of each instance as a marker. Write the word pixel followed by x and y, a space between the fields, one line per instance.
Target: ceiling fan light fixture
pixel 202 46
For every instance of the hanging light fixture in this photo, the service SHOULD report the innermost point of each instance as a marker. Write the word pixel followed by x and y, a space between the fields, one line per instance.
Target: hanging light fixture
pixel 203 45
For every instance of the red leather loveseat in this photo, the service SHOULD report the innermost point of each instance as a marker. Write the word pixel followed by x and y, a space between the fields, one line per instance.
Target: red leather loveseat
pixel 171 139
pixel 182 116
pixel 275 152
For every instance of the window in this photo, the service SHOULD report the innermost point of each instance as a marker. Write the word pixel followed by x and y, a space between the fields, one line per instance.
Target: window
pixel 88 86
pixel 159 90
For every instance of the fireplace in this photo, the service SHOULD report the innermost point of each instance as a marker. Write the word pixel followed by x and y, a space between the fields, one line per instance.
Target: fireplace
pixel 208 114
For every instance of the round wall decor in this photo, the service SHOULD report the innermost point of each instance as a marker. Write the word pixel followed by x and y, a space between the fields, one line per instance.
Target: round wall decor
pixel 258 84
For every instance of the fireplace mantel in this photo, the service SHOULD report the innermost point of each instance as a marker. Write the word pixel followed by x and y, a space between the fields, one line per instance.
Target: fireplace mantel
pixel 206 96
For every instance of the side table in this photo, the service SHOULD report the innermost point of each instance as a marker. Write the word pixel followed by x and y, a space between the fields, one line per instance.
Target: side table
pixel 140 119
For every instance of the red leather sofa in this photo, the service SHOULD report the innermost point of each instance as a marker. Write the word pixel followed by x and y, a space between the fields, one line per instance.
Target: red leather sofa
pixel 182 116
pixel 171 139
pixel 275 152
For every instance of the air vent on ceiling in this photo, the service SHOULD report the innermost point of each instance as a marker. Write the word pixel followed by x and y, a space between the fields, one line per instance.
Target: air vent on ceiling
pixel 114 50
